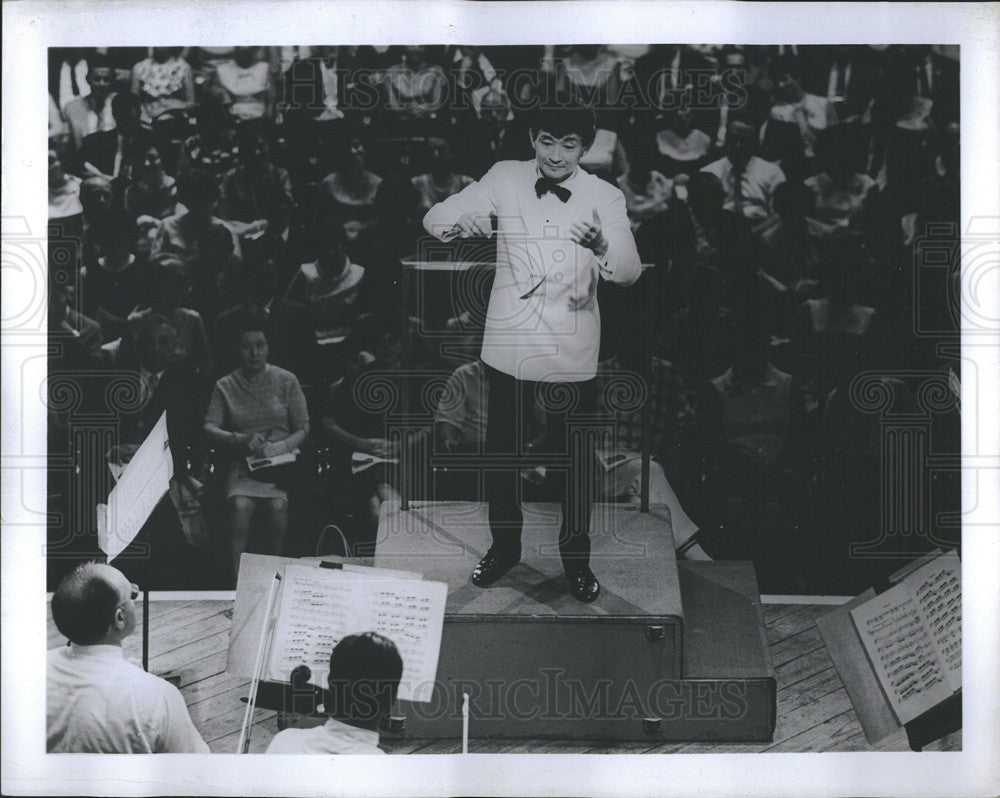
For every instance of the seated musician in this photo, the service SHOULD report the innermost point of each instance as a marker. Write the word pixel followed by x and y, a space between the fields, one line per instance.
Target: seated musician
pixel 96 700
pixel 364 678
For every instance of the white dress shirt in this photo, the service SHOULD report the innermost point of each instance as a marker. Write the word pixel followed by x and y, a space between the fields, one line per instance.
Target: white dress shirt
pixel 99 702
pixel 543 338
pixel 757 184
pixel 334 737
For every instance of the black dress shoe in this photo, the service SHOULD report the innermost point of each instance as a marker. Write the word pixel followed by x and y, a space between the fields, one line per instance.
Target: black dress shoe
pixel 583 584
pixel 491 568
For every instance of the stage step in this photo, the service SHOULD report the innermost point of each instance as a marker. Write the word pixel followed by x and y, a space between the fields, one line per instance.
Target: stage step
pixel 637 664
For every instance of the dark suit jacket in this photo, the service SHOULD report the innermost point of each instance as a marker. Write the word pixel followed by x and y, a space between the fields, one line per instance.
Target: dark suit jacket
pixel 180 394
pixel 100 150
pixel 477 153
pixel 660 58
pixel 863 77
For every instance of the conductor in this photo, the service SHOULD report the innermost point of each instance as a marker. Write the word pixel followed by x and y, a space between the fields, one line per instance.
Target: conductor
pixel 559 230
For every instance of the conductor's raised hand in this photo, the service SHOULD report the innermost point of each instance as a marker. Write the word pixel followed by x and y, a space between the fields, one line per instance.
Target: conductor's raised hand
pixel 590 234
pixel 472 225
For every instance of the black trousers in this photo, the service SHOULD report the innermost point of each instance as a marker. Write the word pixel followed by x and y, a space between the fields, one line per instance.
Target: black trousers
pixel 567 452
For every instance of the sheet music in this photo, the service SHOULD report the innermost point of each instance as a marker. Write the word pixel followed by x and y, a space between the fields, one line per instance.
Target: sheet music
pixel 319 606
pixel 937 587
pixel 901 651
pixel 139 489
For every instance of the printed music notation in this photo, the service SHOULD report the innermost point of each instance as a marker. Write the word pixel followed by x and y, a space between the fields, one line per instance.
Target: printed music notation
pixel 318 607
pixel 913 636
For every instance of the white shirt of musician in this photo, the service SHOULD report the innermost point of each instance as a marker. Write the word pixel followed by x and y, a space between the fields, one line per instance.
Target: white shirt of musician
pixel 552 335
pixel 99 702
pixel 334 737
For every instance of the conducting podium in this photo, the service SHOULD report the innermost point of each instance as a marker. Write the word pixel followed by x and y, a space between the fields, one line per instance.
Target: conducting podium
pixel 667 652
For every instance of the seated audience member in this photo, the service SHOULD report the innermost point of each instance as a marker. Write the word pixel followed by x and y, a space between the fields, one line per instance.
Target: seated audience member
pixel 59 138
pixel 789 133
pixel 681 147
pixel 163 384
pixel 494 136
pixel 701 233
pixel 377 343
pixel 257 411
pixel 362 685
pixel 606 157
pixel 753 455
pixel 441 181
pixel 96 700
pixel 256 289
pixel 255 188
pixel 472 71
pixel 97 198
pixel 790 248
pixel 414 85
pixel 67 74
pixel 352 186
pixel 170 292
pixel 314 87
pixel 213 146
pixel 846 76
pixel 246 84
pixel 834 336
pixel 78 338
pixel 620 475
pixel 104 152
pixel 591 74
pixel 208 248
pixel 166 383
pixel 460 417
pixel 647 192
pixel 748 181
pixel 699 339
pixel 842 191
pixel 92 112
pixel 163 82
pixel 393 233
pixel 328 288
pixel 154 192
pixel 64 195
pixel 116 283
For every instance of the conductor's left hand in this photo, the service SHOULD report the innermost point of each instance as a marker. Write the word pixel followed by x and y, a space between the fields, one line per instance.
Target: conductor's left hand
pixel 590 234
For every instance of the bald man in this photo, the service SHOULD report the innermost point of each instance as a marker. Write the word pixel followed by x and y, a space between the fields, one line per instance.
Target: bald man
pixel 97 701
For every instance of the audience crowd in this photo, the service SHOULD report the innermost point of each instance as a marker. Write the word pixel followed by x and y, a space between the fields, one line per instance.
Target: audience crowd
pixel 229 233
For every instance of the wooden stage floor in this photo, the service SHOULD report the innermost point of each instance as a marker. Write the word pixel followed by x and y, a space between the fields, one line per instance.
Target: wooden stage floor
pixel 190 638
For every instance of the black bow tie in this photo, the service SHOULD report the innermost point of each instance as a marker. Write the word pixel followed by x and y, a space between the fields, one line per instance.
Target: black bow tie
pixel 544 184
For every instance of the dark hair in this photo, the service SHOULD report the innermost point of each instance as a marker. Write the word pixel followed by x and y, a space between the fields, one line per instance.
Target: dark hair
pixel 565 116
pixel 167 272
pixel 364 677
pixel 331 235
pixel 793 197
pixel 84 605
pixel 144 332
pixel 96 60
pixel 122 104
pixel 197 183
pixel 395 199
pixel 118 226
pixel 250 131
pixel 251 322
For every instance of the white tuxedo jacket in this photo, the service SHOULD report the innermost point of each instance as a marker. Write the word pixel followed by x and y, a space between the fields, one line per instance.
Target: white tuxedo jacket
pixel 542 338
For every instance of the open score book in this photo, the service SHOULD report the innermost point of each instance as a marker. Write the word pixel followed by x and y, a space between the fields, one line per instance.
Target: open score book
pixel 912 635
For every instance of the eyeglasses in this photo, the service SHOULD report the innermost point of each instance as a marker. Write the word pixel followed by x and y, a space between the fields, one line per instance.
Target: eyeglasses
pixel 133 595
